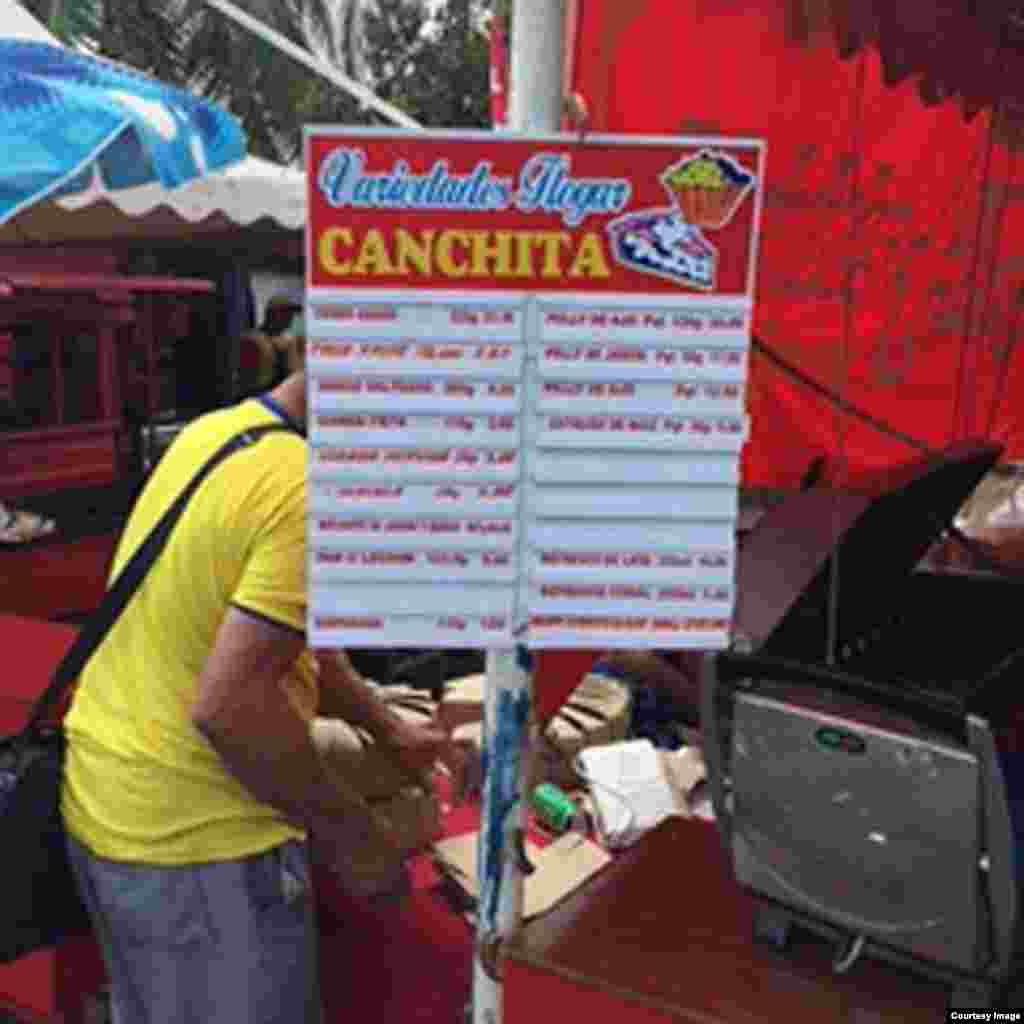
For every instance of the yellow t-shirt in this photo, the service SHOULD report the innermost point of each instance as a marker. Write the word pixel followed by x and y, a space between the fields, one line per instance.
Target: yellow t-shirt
pixel 141 784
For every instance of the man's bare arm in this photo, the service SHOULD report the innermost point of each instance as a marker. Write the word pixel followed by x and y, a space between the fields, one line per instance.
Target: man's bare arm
pixel 242 710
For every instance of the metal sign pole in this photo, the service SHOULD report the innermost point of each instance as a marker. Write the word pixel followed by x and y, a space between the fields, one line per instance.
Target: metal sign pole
pixel 536 103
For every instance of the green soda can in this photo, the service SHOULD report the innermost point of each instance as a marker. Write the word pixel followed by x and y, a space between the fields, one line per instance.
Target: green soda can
pixel 553 807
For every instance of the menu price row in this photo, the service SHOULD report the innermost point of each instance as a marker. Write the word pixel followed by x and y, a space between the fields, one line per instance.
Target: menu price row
pixel 639 503
pixel 414 395
pixel 451 359
pixel 338 432
pixel 546 632
pixel 474 590
pixel 345 532
pixel 717 322
pixel 444 395
pixel 401 430
pixel 436 319
pixel 467 614
pixel 630 599
pixel 330 563
pixel 447 497
pixel 612 361
pixel 400 465
pixel 437 630
pixel 387 565
pixel 626 632
pixel 415 534
pixel 464 466
pixel 399 500
pixel 426 320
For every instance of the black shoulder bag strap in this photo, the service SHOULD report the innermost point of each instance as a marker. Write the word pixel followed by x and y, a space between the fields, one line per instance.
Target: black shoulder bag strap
pixel 120 593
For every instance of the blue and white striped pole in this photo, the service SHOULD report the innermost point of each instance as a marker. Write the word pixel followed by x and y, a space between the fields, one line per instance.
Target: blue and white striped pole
pixel 537 68
pixel 500 872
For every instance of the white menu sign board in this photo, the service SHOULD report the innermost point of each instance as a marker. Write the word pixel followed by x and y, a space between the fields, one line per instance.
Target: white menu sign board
pixel 526 388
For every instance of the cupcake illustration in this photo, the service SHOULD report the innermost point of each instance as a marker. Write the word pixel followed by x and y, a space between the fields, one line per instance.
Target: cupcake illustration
pixel 707 188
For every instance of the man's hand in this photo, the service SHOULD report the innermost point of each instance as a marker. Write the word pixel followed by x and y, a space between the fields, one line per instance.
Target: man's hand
pixel 417 748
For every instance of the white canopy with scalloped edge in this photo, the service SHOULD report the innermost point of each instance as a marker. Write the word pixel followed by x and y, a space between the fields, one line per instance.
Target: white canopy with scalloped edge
pixel 251 194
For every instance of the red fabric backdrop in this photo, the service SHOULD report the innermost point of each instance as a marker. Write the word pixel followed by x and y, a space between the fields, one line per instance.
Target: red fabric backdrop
pixel 890 268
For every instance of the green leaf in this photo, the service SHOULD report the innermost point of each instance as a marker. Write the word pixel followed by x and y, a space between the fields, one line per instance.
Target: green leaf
pixel 436 68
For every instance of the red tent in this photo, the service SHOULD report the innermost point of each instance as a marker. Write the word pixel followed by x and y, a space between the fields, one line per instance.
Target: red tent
pixel 891 289
pixel 890 270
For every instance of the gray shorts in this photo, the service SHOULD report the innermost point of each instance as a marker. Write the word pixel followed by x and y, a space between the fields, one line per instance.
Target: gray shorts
pixel 224 943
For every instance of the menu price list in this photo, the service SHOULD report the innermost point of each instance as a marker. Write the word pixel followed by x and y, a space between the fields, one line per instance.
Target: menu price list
pixel 628 606
pixel 415 480
pixel 459 491
pixel 640 437
pixel 527 386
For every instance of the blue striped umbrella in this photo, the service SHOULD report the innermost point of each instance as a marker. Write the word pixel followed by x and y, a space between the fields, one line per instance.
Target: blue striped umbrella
pixel 69 122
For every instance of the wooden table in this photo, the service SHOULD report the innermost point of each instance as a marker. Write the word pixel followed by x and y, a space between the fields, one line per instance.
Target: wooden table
pixel 664 935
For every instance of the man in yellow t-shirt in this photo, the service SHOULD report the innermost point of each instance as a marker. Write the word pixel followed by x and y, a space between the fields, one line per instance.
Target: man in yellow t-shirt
pixel 191 781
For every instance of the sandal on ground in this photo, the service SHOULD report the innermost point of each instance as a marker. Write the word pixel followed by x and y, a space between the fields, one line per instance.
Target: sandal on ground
pixel 18 526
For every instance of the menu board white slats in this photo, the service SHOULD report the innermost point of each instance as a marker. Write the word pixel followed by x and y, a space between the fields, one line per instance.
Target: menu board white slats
pixel 634 503
pixel 569 535
pixel 331 356
pixel 643 398
pixel 643 433
pixel 337 314
pixel 399 430
pixel 527 389
pixel 640 567
pixel 441 567
pixel 618 362
pixel 630 599
pixel 672 469
pixel 404 599
pixel 415 465
pixel 421 631
pixel 414 534
pixel 436 501
pixel 415 395
pixel 716 323
pixel 587 632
